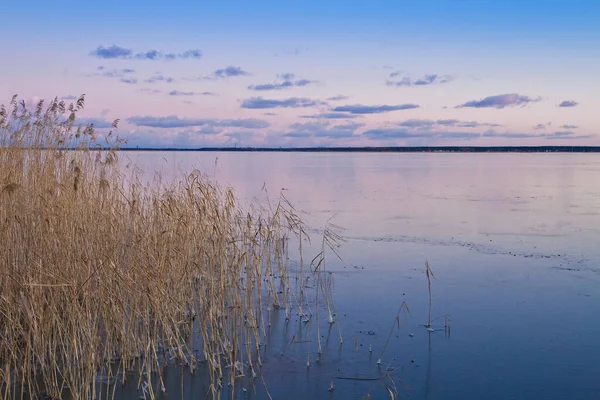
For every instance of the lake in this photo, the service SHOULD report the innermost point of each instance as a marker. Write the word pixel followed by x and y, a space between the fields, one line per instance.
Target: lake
pixel 513 241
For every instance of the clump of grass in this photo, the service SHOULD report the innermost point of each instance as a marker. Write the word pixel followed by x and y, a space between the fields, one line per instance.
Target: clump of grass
pixel 100 272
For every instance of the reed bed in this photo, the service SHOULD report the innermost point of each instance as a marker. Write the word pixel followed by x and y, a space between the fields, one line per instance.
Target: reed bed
pixel 101 274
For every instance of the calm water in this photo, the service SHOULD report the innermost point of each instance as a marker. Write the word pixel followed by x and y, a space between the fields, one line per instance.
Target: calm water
pixel 513 241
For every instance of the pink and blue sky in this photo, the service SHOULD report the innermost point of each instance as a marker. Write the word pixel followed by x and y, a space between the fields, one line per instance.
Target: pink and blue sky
pixel 314 73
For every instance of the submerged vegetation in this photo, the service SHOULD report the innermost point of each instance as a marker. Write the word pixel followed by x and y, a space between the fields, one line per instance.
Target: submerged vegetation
pixel 101 273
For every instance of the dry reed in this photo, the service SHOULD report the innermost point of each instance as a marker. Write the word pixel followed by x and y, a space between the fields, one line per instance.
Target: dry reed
pixel 429 275
pixel 101 274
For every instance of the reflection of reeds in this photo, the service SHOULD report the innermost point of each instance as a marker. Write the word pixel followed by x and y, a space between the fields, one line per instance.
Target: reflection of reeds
pixel 99 270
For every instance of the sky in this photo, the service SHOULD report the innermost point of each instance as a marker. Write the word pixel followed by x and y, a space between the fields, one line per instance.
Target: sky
pixel 314 73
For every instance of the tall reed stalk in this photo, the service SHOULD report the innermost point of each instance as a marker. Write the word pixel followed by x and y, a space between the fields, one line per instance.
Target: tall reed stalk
pixel 429 275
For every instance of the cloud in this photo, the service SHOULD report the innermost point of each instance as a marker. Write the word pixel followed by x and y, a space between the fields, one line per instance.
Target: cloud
pixel 322 130
pixel 568 103
pixel 303 82
pixel 286 76
pixel 417 123
pixel 500 101
pixel 569 126
pixel 296 134
pixel 292 102
pixel 236 138
pixel 238 135
pixel 408 133
pixel 159 78
pixel 399 79
pixel 288 82
pixel 392 133
pixel 191 54
pixel 349 126
pixel 180 93
pixel 147 90
pixel 271 86
pixel 337 98
pixel 227 72
pixel 464 124
pixel 566 135
pixel 149 55
pixel 124 74
pixel 332 115
pixel 561 134
pixel 335 133
pixel 221 73
pixel 416 133
pixel 113 73
pixel 542 126
pixel 362 109
pixel 308 126
pixel 509 135
pixel 248 123
pixel 173 121
pixel 230 71
pixel 129 80
pixel 549 136
pixel 456 135
pixel 210 130
pixel 68 97
pixel 269 114
pixel 117 52
pixel 112 52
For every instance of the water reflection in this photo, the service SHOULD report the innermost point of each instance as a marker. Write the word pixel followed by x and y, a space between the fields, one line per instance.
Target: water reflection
pixel 448 196
pixel 512 240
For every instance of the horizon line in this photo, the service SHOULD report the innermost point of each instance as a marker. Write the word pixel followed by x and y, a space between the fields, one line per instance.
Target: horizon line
pixel 396 149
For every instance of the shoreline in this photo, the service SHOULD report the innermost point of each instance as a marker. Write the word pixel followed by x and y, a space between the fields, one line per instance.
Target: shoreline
pixel 433 149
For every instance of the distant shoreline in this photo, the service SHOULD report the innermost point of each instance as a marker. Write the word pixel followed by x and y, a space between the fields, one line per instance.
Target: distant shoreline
pixel 433 149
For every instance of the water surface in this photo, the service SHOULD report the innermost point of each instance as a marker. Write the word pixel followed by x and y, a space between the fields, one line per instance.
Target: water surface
pixel 513 241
